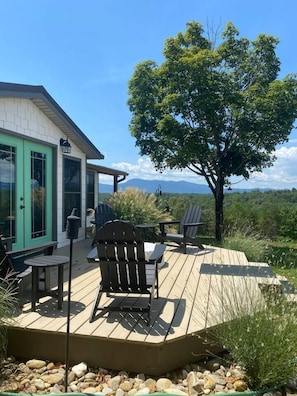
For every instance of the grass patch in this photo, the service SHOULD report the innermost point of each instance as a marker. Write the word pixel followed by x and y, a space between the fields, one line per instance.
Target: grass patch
pixel 283 261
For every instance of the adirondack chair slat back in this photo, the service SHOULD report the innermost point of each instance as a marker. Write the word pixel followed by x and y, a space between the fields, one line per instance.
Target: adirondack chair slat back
pixel 121 257
pixel 191 215
pixel 103 213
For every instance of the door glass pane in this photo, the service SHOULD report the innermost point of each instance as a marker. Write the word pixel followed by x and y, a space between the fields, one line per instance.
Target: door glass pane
pixel 38 194
pixel 7 191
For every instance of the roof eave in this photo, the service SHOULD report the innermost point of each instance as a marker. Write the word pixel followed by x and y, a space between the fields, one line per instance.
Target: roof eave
pixel 45 102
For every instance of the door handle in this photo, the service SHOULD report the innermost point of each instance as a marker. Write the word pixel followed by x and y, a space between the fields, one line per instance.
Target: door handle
pixel 22 206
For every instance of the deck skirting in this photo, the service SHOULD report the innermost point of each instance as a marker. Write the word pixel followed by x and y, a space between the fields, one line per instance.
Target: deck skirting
pixel 134 357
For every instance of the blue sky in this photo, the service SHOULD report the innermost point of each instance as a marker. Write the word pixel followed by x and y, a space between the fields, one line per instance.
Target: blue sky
pixel 85 51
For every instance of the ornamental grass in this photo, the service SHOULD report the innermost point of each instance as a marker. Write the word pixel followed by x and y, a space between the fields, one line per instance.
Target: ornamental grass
pixel 137 206
pixel 8 301
pixel 258 329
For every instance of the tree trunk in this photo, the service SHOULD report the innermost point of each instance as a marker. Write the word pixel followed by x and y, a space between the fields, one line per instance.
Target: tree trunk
pixel 219 200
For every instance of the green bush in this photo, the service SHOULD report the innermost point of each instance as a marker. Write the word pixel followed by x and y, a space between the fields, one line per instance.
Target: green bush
pixel 288 224
pixel 137 206
pixel 259 332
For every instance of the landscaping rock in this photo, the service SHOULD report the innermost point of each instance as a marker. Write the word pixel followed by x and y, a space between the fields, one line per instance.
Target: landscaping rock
pixel 35 364
pixel 80 369
pixel 162 384
pixel 40 377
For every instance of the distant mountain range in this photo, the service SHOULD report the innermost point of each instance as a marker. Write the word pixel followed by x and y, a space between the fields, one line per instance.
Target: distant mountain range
pixel 166 186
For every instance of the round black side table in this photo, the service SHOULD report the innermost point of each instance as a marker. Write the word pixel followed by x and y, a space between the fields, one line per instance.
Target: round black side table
pixel 44 262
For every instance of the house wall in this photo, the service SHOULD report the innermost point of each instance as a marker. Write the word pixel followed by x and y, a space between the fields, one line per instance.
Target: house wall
pixel 21 117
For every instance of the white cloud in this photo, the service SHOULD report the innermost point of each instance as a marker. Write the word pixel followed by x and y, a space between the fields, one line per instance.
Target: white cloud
pixel 144 169
pixel 282 175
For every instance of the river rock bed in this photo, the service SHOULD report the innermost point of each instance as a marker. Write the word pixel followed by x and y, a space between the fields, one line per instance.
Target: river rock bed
pixel 40 377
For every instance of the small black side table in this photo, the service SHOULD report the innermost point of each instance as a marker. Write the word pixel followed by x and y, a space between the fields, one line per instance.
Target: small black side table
pixel 44 262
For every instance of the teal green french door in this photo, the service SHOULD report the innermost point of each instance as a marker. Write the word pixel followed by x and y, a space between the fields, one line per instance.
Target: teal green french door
pixel 25 191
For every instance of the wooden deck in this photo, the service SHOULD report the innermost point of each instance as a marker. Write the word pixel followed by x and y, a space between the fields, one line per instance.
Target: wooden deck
pixel 189 302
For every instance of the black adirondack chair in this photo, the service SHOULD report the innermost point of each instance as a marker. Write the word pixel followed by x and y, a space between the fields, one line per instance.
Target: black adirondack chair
pixel 103 213
pixel 124 267
pixel 188 228
pixel 14 271
pixel 14 274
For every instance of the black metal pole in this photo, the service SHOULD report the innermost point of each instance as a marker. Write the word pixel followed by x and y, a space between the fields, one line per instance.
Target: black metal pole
pixel 68 315
pixel 72 226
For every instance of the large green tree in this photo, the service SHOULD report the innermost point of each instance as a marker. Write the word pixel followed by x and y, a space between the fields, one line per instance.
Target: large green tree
pixel 217 109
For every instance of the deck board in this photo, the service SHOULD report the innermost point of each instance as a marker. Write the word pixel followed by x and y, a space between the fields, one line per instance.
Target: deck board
pixel 179 297
pixel 186 306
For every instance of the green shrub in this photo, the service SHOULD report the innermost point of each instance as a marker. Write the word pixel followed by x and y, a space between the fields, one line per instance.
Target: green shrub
pixel 259 332
pixel 288 224
pixel 137 206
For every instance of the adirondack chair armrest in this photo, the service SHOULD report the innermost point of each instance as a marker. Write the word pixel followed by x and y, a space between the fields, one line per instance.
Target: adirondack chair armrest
pixel 185 226
pixel 162 225
pixel 47 247
pixel 157 253
pixel 93 255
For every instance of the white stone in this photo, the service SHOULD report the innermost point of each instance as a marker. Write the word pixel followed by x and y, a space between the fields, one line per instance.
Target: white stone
pixel 119 392
pixel 107 391
pixel 73 387
pixel 132 392
pixel 80 369
pixel 90 376
pixel 114 382
pixel 55 389
pixel 39 384
pixel 162 384
pixel 151 384
pixel 175 391
pixel 143 391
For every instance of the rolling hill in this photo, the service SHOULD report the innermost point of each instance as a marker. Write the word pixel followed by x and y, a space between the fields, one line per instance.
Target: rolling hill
pixel 166 186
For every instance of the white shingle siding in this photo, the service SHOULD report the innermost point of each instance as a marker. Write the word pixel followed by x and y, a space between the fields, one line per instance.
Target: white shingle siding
pixel 22 117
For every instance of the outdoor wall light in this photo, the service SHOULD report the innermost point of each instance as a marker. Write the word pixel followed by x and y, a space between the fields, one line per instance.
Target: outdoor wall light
pixel 65 146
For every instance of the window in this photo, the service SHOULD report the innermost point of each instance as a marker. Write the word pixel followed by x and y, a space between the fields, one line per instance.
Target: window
pixel 7 190
pixel 38 194
pixel 72 188
pixel 90 189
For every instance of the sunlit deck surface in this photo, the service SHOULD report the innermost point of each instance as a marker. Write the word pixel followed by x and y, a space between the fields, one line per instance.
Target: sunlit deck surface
pixel 189 303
